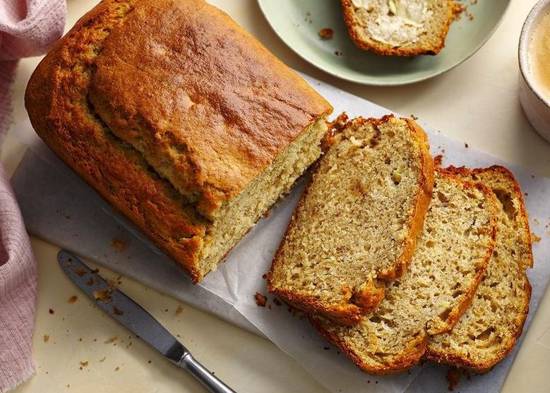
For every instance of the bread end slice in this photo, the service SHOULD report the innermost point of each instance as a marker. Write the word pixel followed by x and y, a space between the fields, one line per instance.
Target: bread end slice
pixel 489 329
pixel 399 27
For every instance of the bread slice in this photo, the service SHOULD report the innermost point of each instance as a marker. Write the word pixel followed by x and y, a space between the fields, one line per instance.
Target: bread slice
pixel 490 327
pixel 357 223
pixel 399 27
pixel 448 264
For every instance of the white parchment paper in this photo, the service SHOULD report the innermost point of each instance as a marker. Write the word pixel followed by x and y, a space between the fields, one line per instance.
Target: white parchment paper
pixel 62 209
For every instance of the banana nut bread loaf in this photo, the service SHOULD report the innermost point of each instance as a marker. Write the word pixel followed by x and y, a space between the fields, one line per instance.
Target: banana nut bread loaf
pixel 356 225
pixel 179 118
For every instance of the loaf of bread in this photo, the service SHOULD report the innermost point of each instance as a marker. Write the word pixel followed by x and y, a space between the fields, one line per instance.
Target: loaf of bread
pixel 449 262
pixel 490 327
pixel 356 225
pixel 399 27
pixel 178 118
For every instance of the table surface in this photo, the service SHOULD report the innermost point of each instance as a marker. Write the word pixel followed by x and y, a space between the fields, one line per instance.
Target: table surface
pixel 77 348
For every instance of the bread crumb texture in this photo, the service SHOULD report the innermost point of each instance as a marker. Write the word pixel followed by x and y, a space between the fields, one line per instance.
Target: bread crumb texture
pixel 399 27
pixel 448 264
pixel 357 223
pixel 490 327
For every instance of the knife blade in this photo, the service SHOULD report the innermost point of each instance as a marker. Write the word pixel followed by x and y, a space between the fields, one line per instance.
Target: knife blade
pixel 136 319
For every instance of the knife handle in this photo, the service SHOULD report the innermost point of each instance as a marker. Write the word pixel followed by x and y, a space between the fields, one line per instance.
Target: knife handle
pixel 204 376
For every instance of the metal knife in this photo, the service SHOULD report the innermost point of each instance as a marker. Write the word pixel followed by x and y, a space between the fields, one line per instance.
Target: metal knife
pixel 136 319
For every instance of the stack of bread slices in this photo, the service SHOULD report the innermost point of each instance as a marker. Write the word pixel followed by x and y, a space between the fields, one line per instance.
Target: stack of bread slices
pixel 396 259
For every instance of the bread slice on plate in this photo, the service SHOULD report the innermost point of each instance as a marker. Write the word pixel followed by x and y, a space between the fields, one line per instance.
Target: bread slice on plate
pixel 357 223
pixel 399 27
pixel 488 330
pixel 451 257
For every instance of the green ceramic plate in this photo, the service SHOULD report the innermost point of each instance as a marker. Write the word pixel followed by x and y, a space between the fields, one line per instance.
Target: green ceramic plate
pixel 297 22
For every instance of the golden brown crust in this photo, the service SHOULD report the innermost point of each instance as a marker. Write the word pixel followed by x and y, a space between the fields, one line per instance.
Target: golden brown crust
pixel 250 103
pixel 482 366
pixel 405 361
pixel 57 99
pixel 387 50
pixel 53 100
pixel 422 204
pixel 368 299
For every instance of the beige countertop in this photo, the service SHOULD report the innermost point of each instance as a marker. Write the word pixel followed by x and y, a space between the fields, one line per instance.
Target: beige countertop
pixel 476 103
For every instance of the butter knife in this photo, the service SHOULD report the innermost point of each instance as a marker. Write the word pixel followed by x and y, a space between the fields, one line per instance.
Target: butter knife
pixel 136 319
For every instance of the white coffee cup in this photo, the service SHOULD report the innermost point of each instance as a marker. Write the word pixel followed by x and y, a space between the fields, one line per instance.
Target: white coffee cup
pixel 535 105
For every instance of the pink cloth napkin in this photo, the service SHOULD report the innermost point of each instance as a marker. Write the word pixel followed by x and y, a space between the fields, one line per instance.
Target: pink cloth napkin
pixel 27 28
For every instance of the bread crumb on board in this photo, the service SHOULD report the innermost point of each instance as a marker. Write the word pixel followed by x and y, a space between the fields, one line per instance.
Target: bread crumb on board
pixel 453 377
pixel 72 299
pixel 111 340
pixel 462 9
pixel 117 311
pixel 103 295
pixel 80 272
pixel 326 33
pixel 119 245
pixel 46 338
pixel 261 300
pixel 535 238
